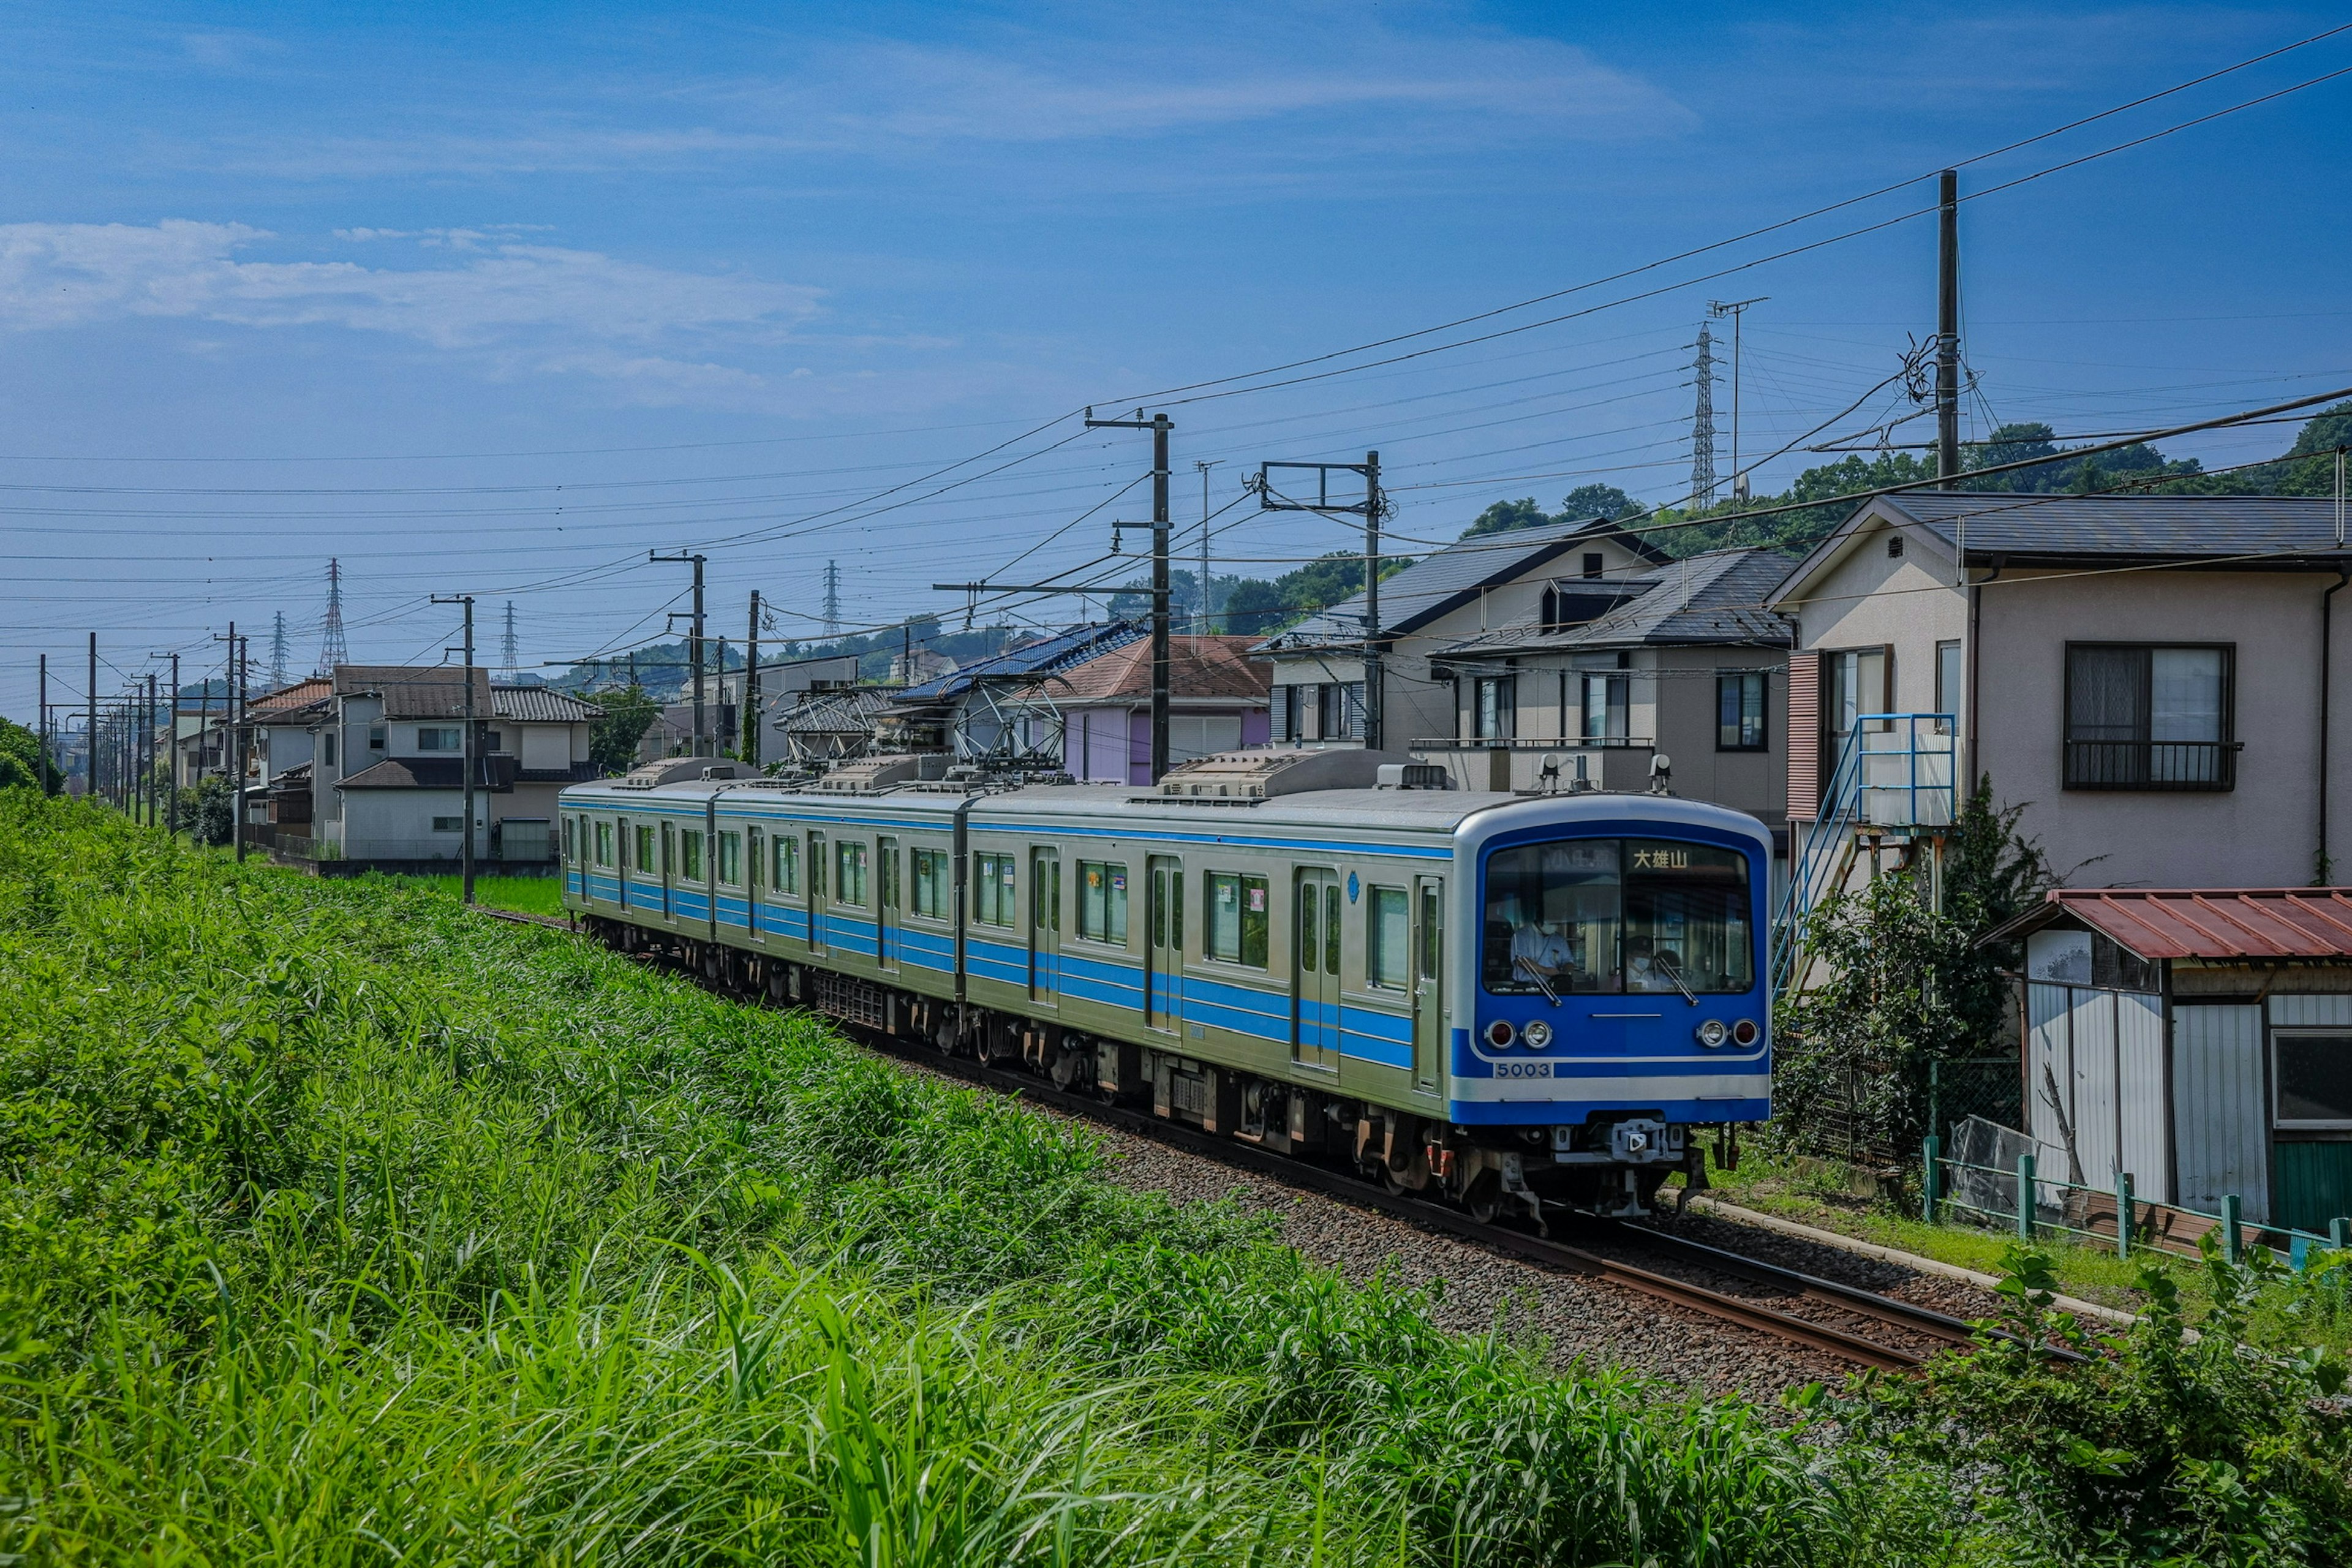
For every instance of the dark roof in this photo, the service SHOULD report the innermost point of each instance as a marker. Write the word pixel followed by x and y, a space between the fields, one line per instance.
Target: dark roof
pixel 1716 597
pixel 1454 576
pixel 1047 656
pixel 2277 529
pixel 433 772
pixel 578 772
pixel 541 705
pixel 416 691
pixel 2206 922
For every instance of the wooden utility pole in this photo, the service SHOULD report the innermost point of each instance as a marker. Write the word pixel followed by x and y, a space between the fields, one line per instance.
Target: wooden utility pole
pixel 1948 334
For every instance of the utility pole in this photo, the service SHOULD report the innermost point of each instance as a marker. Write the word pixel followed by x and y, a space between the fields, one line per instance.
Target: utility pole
pixel 1737 309
pixel 1703 422
pixel 233 754
pixel 748 746
pixel 1208 607
pixel 90 748
pixel 1369 508
pixel 466 857
pixel 147 751
pixel 693 644
pixel 42 719
pixel 1948 334
pixel 171 767
pixel 1160 425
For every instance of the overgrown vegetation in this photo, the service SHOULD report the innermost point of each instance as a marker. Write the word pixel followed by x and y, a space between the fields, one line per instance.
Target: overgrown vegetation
pixel 341 1226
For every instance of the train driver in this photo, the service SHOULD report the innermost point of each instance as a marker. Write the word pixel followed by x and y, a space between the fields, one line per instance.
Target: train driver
pixel 1541 955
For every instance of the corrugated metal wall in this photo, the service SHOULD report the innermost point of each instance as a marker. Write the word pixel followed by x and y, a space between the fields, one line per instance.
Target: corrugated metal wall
pixel 2102 1052
pixel 2220 1112
pixel 2310 1011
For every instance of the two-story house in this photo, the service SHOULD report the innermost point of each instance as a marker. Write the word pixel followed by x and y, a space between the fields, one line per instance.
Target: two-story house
pixel 2158 680
pixel 1605 676
pixel 1470 587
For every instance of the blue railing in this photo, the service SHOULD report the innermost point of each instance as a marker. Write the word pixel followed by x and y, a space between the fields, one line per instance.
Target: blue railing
pixel 1894 772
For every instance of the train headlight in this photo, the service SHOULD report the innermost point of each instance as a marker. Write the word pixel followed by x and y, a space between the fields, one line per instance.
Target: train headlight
pixel 1744 1032
pixel 1499 1033
pixel 1538 1035
pixel 1712 1033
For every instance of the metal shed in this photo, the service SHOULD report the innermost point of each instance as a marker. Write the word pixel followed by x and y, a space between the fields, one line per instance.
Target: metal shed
pixel 2198 1039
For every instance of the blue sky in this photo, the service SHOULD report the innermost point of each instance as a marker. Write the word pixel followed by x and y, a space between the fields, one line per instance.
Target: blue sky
pixel 491 299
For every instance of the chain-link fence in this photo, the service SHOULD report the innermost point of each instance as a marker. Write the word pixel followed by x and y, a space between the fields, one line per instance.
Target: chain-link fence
pixel 1874 1120
pixel 1990 1088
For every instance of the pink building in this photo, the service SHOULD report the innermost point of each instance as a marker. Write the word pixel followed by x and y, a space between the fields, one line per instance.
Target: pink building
pixel 1219 699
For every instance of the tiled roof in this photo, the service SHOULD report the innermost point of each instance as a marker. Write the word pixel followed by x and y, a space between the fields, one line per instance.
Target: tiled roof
pixel 578 772
pixel 542 705
pixel 1452 577
pixel 416 691
pixel 301 694
pixel 497 773
pixel 1047 655
pixel 2145 526
pixel 1717 597
pixel 2204 922
pixel 1197 667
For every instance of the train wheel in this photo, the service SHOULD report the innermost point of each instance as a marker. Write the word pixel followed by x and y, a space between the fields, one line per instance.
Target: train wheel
pixel 1483 1201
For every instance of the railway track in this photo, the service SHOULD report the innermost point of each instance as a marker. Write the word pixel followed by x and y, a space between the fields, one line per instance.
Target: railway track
pixel 1845 1320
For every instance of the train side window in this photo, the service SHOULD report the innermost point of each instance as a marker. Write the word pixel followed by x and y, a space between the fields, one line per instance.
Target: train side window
pixel 788 864
pixel 567 838
pixel 731 858
pixel 1310 928
pixel 849 873
pixel 992 889
pixel 604 844
pixel 1388 940
pixel 1237 918
pixel 934 885
pixel 689 854
pixel 648 858
pixel 1102 901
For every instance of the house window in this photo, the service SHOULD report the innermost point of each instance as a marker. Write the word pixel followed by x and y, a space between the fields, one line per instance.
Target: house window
pixel 647 858
pixel 690 855
pixel 328 741
pixel 934 884
pixel 1287 720
pixel 1592 563
pixel 375 737
pixel 2145 717
pixel 1102 901
pixel 449 825
pixel 433 737
pixel 1237 918
pixel 1948 680
pixel 849 873
pixel 992 889
pixel 2313 1078
pixel 1605 707
pixel 787 868
pixel 1388 940
pixel 1739 710
pixel 731 858
pixel 493 740
pixel 604 844
pixel 1494 708
pixel 1860 682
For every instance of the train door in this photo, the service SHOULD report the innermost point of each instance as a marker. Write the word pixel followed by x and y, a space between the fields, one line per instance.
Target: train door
pixel 815 883
pixel 1428 980
pixel 1315 966
pixel 1045 925
pixel 886 906
pixel 669 858
pixel 1163 986
pixel 754 842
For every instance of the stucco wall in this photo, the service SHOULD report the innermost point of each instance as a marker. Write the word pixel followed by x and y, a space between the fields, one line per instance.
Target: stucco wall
pixel 542 745
pixel 1909 603
pixel 397 824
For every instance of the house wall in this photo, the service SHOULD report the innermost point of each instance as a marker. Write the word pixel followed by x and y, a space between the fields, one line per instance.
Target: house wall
pixel 397 824
pixel 541 745
pixel 2262 833
pixel 1910 603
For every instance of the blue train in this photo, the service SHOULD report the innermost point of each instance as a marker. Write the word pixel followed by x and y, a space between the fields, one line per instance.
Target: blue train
pixel 1503 999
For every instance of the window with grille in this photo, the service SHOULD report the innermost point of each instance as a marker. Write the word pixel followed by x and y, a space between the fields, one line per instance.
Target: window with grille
pixel 2143 716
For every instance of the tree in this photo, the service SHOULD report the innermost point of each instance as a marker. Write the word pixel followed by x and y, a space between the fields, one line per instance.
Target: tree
pixel 614 736
pixel 22 765
pixel 207 812
pixel 1507 517
pixel 1597 500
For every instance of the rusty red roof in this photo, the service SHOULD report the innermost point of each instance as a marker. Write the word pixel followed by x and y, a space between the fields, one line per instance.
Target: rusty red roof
pixel 2206 923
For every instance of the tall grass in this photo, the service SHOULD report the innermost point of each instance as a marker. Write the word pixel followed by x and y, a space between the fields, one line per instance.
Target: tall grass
pixel 343 1229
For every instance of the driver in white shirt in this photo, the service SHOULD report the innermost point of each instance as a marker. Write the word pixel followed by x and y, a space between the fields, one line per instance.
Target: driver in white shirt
pixel 1539 951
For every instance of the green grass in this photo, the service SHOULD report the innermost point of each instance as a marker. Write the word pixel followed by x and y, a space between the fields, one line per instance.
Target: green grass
pixel 526 895
pixel 342 1228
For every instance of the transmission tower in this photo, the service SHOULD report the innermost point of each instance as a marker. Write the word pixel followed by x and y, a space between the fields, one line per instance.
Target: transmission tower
pixel 331 651
pixel 507 648
pixel 278 653
pixel 832 599
pixel 1703 422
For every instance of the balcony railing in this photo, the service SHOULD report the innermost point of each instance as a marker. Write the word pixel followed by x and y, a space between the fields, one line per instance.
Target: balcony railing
pixel 2152 764
pixel 1530 743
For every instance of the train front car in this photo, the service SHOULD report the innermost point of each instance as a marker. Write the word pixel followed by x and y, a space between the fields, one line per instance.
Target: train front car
pixel 1620 981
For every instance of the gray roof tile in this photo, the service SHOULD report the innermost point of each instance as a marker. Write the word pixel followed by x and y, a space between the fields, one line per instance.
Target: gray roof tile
pixel 2148 527
pixel 1716 597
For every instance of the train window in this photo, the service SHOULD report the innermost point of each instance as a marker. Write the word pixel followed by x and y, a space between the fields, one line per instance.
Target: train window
pixel 731 858
pixel 787 865
pixel 1102 901
pixel 1311 927
pixel 604 844
pixel 886 851
pixel 1611 915
pixel 992 889
pixel 1237 917
pixel 1331 917
pixel 849 873
pixel 648 858
pixel 934 884
pixel 1388 940
pixel 567 838
pixel 690 855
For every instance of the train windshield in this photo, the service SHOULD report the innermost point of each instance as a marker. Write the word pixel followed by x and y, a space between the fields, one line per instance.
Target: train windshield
pixel 1617 915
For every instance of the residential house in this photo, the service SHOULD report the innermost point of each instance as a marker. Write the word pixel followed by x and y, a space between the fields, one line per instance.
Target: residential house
pixel 2157 681
pixel 1218 699
pixel 1604 676
pixel 1471 587
pixel 977 712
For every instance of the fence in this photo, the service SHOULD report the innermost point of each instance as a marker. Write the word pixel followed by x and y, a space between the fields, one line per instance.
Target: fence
pixel 1992 1177
pixel 1873 1119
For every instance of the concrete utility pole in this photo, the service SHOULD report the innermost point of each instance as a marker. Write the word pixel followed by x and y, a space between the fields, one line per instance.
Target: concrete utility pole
pixel 233 752
pixel 147 751
pixel 90 748
pixel 1160 425
pixel 172 750
pixel 1737 309
pixel 748 745
pixel 1948 334
pixel 466 855
pixel 42 719
pixel 1208 606
pixel 694 646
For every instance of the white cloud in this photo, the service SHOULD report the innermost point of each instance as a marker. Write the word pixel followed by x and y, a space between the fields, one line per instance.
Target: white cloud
pixel 502 291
